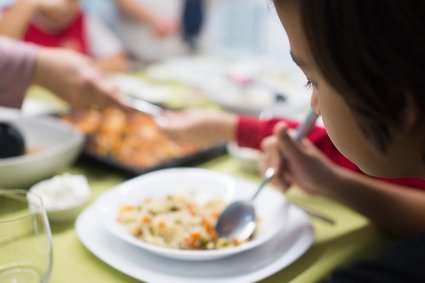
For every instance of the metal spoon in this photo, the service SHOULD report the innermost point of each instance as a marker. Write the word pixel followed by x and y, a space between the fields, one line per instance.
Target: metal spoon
pixel 238 220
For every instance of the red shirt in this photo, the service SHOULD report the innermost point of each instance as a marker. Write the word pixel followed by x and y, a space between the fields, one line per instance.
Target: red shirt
pixel 72 37
pixel 251 131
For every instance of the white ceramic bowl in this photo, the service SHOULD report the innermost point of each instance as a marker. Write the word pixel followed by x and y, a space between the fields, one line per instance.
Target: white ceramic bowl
pixel 270 205
pixel 56 145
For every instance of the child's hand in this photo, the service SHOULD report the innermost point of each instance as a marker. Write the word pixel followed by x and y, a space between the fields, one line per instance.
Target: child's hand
pixel 201 127
pixel 300 164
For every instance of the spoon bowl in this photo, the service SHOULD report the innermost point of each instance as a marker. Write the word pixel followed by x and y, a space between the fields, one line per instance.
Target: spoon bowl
pixel 237 221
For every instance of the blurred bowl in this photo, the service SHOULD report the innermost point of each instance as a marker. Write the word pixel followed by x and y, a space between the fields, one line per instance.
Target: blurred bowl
pixel 51 145
pixel 247 157
pixel 63 196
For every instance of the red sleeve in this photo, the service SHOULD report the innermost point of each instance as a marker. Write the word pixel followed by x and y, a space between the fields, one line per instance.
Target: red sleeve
pixel 251 131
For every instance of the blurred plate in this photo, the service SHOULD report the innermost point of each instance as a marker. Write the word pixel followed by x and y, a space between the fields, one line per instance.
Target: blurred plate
pixel 241 85
pixel 140 88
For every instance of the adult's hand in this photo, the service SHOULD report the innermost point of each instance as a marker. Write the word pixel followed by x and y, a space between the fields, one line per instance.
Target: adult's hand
pixel 74 78
pixel 201 127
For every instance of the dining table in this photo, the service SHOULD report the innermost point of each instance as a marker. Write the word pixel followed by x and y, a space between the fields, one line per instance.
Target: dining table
pixel 352 237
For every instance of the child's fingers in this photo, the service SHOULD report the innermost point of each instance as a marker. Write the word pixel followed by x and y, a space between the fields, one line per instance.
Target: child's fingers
pixel 270 157
pixel 288 146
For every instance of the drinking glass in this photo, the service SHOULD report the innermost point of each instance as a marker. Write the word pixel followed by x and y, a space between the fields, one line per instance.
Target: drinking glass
pixel 25 238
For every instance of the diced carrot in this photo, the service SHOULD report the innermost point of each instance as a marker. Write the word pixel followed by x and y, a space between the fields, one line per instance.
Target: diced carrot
pixel 146 220
pixel 192 209
pixel 161 224
pixel 196 235
pixel 213 234
pixel 127 208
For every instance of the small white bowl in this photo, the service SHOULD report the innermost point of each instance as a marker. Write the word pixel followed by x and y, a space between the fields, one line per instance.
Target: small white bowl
pixel 247 157
pixel 63 196
pixel 55 144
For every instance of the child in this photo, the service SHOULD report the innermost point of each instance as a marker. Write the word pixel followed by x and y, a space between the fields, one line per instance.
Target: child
pixel 365 63
pixel 61 23
pixel 149 29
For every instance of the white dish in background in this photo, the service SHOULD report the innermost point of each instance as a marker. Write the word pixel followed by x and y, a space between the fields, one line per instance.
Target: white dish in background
pixel 140 88
pixel 270 206
pixel 247 157
pixel 54 143
pixel 250 266
pixel 242 85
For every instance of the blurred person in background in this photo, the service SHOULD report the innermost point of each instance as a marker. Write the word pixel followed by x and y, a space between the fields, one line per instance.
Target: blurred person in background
pixel 153 30
pixel 66 73
pixel 61 23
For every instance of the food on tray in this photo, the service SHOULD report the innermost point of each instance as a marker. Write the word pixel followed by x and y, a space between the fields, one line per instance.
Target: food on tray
pixel 132 139
pixel 12 142
pixel 176 221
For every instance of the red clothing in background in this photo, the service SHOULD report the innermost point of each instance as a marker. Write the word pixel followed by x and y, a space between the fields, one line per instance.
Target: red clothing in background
pixel 251 131
pixel 72 37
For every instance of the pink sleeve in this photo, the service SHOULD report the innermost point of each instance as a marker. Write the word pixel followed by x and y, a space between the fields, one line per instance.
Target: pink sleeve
pixel 17 61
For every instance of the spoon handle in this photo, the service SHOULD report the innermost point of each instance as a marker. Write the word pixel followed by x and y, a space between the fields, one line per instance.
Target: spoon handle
pixel 306 126
pixel 267 177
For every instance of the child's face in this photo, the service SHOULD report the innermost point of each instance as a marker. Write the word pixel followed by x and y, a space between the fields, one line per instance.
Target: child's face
pixel 338 118
pixel 61 13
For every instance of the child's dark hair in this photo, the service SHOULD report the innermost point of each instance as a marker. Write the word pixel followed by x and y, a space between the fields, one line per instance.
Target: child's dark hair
pixel 373 53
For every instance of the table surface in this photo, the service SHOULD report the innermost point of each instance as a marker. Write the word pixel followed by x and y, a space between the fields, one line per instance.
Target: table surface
pixel 351 238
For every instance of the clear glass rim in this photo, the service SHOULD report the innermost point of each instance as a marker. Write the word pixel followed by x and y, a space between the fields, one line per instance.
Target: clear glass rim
pixel 35 201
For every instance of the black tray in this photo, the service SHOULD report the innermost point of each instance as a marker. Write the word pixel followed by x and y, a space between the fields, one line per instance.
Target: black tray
pixel 187 160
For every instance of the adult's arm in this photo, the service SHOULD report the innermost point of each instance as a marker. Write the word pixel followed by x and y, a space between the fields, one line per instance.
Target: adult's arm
pixel 16 19
pixel 17 62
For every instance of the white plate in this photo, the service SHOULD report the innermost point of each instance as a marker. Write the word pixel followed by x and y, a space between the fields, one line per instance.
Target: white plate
pixel 271 206
pixel 250 266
